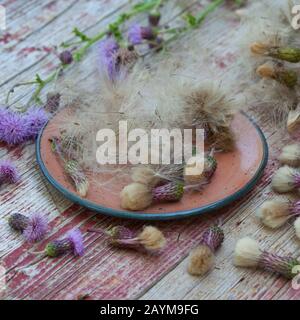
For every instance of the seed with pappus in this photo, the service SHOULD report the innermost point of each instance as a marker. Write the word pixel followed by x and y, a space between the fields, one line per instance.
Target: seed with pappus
pixel 201 258
pixel 71 167
pixel 249 254
pixel 33 228
pixel 66 57
pixel 286 179
pixel 150 238
pixel 281 53
pixel 198 175
pixel 290 155
pixel 78 177
pixel 156 176
pixel 286 77
pixel 8 172
pixel 275 213
pixel 73 242
pixel 138 196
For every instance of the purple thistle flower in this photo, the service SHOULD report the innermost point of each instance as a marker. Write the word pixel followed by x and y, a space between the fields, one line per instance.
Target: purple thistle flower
pixel 36 229
pixel 108 63
pixel 137 33
pixel 8 172
pixel 13 127
pixel 75 237
pixel 73 242
pixel 36 118
pixel 33 228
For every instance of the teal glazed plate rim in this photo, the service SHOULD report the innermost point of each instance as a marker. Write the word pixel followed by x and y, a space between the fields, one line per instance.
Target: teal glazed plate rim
pixel 159 216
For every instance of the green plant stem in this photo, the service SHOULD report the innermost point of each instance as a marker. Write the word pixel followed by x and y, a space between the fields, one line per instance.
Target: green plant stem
pixel 137 9
pixel 15 86
pixel 123 18
pixel 210 8
pixel 199 19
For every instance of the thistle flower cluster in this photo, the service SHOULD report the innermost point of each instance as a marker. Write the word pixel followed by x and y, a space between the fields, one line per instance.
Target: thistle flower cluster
pixel 166 184
pixel 201 258
pixel 33 228
pixel 249 254
pixel 275 213
pixel 17 128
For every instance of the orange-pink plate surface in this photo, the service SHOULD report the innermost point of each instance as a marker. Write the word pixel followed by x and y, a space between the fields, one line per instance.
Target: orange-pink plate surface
pixel 237 174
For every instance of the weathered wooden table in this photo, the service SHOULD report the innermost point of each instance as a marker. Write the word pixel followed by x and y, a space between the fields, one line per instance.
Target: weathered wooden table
pixel 33 27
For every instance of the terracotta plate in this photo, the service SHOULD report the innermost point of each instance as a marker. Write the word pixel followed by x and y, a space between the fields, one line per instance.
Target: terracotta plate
pixel 237 174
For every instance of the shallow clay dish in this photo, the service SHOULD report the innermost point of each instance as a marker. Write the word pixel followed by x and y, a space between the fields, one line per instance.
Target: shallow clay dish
pixel 237 174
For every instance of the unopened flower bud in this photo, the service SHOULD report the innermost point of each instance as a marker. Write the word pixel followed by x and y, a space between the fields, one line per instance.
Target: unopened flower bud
pixel 66 57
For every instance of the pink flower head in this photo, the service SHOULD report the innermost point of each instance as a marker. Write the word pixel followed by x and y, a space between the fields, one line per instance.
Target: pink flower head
pixel 8 172
pixel 37 228
pixel 33 228
pixel 137 33
pixel 35 119
pixel 108 63
pixel 76 239
pixel 13 127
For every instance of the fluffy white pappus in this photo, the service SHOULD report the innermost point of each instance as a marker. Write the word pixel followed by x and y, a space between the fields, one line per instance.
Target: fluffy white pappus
pixel 290 155
pixel 201 259
pixel 265 24
pixel 145 175
pixel 297 227
pixel 274 213
pixel 203 105
pixel 246 253
pixel 284 179
pixel 136 196
pixel 152 238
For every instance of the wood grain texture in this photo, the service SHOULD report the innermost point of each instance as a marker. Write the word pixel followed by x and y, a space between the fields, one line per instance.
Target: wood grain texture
pixel 105 272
